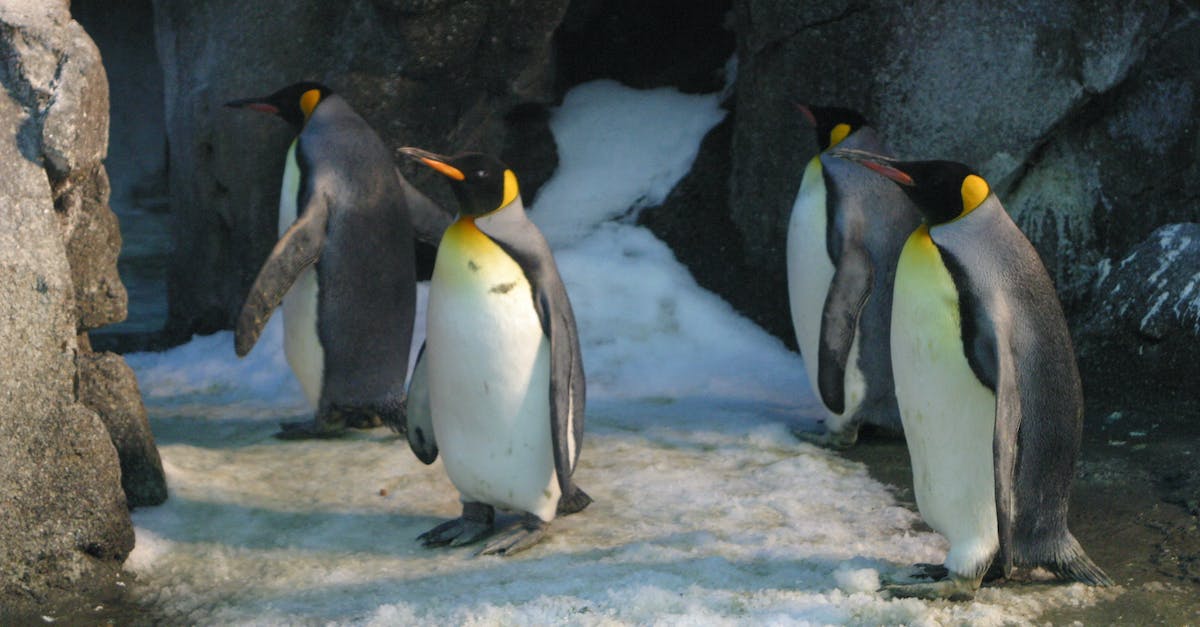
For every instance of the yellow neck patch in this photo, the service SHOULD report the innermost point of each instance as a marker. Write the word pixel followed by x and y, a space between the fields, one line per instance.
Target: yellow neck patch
pixel 510 188
pixel 838 133
pixel 308 101
pixel 974 191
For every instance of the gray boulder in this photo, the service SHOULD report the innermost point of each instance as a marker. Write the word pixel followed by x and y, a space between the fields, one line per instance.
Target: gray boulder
pixel 1081 116
pixel 437 74
pixel 65 528
pixel 1144 324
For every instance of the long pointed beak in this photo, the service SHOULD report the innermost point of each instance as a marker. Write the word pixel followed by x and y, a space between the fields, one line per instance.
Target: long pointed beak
pixel 255 104
pixel 808 114
pixel 879 163
pixel 433 160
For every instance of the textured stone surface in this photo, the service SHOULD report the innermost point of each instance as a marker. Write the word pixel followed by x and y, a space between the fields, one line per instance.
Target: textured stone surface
pixel 1146 310
pixel 1083 118
pixel 65 527
pixel 440 75
pixel 104 385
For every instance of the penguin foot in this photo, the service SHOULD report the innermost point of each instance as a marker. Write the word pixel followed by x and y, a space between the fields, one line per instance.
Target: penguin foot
pixel 952 588
pixel 916 573
pixel 353 417
pixel 827 439
pixel 475 524
pixel 526 533
pixel 310 430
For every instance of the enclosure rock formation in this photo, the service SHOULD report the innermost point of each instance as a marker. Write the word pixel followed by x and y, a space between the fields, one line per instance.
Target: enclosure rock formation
pixel 1082 117
pixel 436 74
pixel 65 527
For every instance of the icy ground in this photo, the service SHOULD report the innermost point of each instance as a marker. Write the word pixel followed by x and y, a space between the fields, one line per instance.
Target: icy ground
pixel 707 510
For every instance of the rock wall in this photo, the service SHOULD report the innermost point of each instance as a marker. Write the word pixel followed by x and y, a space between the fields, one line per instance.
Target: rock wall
pixel 65 526
pixel 443 75
pixel 1084 117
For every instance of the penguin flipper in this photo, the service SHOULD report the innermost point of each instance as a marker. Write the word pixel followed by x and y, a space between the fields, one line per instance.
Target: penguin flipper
pixel 420 416
pixel 844 303
pixel 566 381
pixel 1004 453
pixel 298 248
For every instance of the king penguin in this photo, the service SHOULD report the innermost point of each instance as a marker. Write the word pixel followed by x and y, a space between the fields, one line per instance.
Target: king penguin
pixel 498 387
pixel 987 384
pixel 343 265
pixel 844 236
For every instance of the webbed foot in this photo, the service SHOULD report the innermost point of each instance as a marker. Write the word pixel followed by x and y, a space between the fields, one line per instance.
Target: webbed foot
pixel 526 533
pixel 944 585
pixel 475 524
pixel 839 440
pixel 310 430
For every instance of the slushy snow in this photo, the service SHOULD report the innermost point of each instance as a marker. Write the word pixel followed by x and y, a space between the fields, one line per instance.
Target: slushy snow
pixel 707 510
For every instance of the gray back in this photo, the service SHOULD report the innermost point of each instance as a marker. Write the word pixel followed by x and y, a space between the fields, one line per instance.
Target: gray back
pixel 365 272
pixel 871 218
pixel 1018 344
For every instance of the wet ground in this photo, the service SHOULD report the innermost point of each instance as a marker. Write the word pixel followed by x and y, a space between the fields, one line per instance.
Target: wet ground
pixel 1135 509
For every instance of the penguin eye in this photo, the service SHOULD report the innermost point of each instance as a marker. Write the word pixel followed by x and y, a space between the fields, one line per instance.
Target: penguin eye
pixel 481 174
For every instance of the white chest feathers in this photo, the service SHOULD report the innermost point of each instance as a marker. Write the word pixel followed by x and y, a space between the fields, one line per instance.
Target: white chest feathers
pixel 810 273
pixel 948 414
pixel 489 376
pixel 300 341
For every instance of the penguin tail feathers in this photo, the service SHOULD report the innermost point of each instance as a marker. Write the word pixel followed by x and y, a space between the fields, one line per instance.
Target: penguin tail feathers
pixel 573 502
pixel 1072 563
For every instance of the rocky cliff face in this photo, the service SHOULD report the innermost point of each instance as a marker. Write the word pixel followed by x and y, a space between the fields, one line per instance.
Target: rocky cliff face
pixel 65 527
pixel 442 75
pixel 1084 119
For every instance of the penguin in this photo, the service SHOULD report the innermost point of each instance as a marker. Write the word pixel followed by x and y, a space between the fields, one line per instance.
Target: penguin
pixel 987 385
pixel 498 388
pixel 343 265
pixel 841 260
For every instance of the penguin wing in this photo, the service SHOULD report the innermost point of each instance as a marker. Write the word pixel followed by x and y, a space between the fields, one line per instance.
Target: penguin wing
pixel 298 249
pixel 848 292
pixel 420 416
pixel 566 376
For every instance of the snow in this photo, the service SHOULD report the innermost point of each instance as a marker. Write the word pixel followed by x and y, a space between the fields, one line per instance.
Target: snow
pixel 707 510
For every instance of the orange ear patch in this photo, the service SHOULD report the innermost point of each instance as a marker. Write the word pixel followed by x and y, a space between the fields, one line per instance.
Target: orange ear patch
pixel 974 191
pixel 309 101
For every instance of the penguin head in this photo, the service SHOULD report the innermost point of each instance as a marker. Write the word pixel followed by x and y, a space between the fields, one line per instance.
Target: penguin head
pixel 832 124
pixel 294 103
pixel 942 190
pixel 482 183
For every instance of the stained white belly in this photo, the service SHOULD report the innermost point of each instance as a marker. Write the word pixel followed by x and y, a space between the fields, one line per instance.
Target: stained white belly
pixel 948 415
pixel 489 377
pixel 810 273
pixel 300 342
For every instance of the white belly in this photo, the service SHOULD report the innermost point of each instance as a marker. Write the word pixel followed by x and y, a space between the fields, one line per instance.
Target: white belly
pixel 810 273
pixel 489 377
pixel 300 341
pixel 948 415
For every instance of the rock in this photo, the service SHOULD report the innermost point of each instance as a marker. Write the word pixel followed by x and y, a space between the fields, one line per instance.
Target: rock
pixel 65 528
pixel 1120 166
pixel 1145 318
pixel 108 387
pixel 694 221
pixel 667 43
pixel 984 83
pixel 440 75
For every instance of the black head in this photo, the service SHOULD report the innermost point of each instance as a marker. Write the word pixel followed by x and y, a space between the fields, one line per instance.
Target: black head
pixel 832 124
pixel 482 183
pixel 942 190
pixel 293 103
